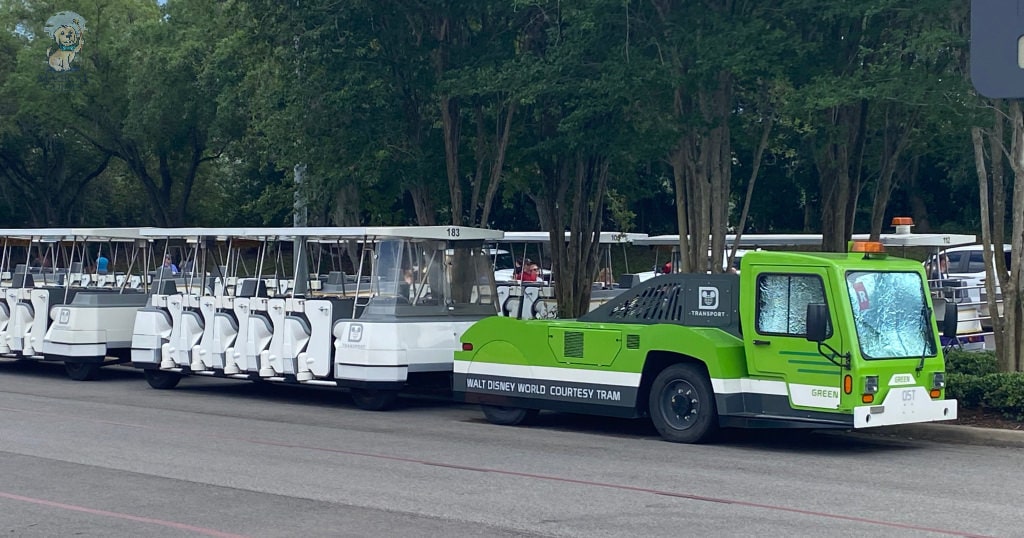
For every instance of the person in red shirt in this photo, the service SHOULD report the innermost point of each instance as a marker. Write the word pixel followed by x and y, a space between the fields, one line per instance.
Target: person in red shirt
pixel 530 273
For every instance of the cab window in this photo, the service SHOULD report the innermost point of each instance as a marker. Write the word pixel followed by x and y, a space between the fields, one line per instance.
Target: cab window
pixel 976 263
pixel 955 262
pixel 782 302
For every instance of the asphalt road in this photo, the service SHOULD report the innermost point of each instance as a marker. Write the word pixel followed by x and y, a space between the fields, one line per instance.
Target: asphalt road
pixel 229 458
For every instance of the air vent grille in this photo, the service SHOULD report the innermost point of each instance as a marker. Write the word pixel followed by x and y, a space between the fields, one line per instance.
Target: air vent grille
pixel 574 344
pixel 632 341
pixel 657 303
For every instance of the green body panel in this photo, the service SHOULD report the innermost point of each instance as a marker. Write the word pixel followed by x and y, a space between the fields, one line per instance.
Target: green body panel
pixel 780 375
pixel 539 343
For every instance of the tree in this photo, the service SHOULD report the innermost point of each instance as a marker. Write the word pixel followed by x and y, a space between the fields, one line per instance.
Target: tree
pixel 156 107
pixel 1008 121
pixel 46 164
pixel 873 71
pixel 577 141
pixel 736 50
pixel 47 172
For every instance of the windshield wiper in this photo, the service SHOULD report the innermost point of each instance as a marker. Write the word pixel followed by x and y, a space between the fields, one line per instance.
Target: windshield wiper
pixel 926 316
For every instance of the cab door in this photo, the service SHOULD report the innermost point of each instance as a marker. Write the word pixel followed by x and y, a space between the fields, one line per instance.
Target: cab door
pixel 777 348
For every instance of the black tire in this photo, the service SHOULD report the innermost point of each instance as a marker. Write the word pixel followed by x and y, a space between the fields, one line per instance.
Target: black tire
pixel 82 371
pixel 161 380
pixel 509 416
pixel 374 399
pixel 682 404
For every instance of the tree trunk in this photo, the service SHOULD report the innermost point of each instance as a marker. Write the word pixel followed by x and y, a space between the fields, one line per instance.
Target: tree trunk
pixel 895 139
pixel 755 167
pixel 423 204
pixel 498 166
pixel 451 124
pixel 702 173
pixel 346 213
pixel 1008 330
pixel 918 207
pixel 838 187
pixel 584 177
pixel 1009 282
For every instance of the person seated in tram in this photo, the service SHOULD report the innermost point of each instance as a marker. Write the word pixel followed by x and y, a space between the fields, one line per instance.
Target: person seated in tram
pixel 169 265
pixel 530 273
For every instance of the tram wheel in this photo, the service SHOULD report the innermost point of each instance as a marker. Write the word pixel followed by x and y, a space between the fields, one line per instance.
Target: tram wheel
pixel 509 416
pixel 82 371
pixel 374 399
pixel 161 380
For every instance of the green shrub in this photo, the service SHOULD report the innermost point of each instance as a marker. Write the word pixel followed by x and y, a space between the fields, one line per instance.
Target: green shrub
pixel 968 390
pixel 1006 394
pixel 977 363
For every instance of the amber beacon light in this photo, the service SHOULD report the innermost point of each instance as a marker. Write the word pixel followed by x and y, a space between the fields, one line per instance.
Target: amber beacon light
pixel 867 247
pixel 902 224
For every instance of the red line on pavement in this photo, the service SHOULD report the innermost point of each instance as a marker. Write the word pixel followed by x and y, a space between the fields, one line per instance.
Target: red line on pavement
pixel 689 496
pixel 129 517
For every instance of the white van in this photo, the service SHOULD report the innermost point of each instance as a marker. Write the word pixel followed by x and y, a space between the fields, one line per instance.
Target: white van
pixel 966 272
pixel 968 262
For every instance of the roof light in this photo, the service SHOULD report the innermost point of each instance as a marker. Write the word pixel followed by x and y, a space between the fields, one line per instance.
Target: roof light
pixel 867 247
pixel 902 224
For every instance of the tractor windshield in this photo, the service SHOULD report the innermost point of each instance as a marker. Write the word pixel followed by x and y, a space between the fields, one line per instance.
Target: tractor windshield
pixel 891 314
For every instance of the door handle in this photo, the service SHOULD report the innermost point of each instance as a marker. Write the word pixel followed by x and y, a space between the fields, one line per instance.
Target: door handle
pixel 762 342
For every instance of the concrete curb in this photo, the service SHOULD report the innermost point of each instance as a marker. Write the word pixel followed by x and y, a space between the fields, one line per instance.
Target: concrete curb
pixel 953 433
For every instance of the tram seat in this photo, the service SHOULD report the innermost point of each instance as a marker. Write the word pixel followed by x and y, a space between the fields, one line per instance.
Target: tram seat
pixel 628 280
pixel 164 287
pixel 23 279
pixel 342 307
pixel 252 287
pixel 335 282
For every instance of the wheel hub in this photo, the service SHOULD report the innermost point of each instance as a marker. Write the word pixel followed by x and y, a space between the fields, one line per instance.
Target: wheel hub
pixel 681 404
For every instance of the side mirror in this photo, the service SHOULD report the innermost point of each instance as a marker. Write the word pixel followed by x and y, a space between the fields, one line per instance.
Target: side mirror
pixel 817 322
pixel 949 320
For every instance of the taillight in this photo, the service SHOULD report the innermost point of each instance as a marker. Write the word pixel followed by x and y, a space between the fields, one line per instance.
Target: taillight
pixel 466 346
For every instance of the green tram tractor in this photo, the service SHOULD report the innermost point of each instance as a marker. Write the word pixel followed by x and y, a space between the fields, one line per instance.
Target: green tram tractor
pixel 796 340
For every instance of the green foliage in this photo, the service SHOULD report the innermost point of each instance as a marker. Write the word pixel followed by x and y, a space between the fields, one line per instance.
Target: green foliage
pixel 971 363
pixel 1007 394
pixel 974 380
pixel 354 91
pixel 970 391
pixel 1001 392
